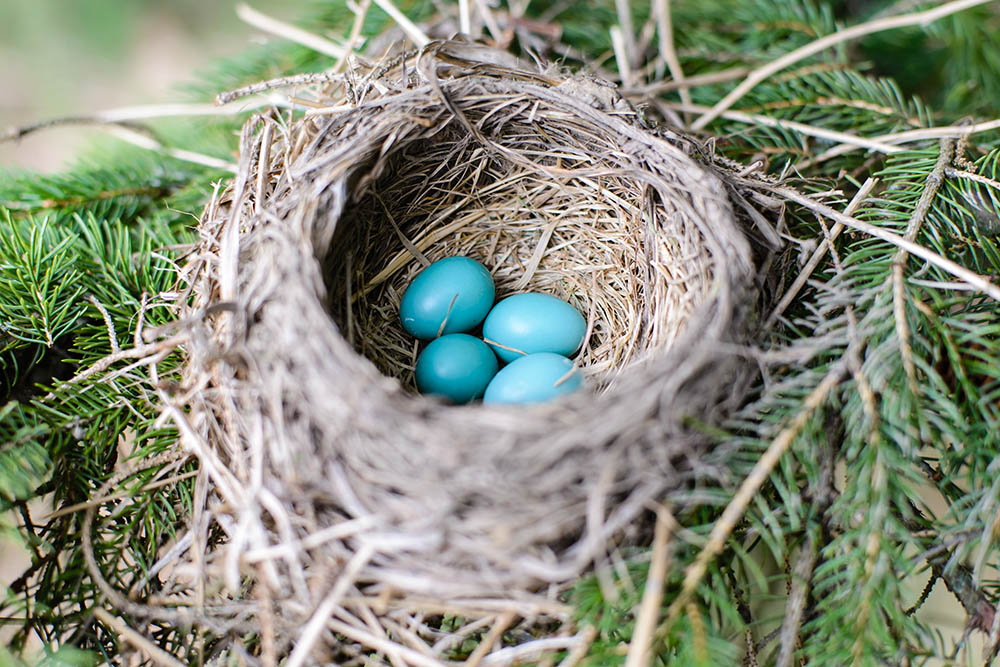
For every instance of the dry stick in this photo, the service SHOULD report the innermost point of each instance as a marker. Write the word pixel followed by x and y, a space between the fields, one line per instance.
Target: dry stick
pixel 414 658
pixel 797 597
pixel 486 645
pixel 139 352
pixel 693 81
pixel 579 652
pixel 955 131
pixel 226 98
pixel 491 22
pixel 121 494
pixel 263 167
pixel 321 617
pixel 288 31
pixel 140 320
pixel 809 130
pixel 124 115
pixel 415 34
pixel 818 254
pixel 971 277
pixel 148 648
pixel 265 604
pixel 951 172
pixel 621 55
pixel 142 141
pixel 627 29
pixel 854 351
pixel 464 17
pixel 744 496
pixel 665 28
pixel 112 334
pixel 879 25
pixel 639 650
pixel 931 186
pixel 360 13
pixel 517 655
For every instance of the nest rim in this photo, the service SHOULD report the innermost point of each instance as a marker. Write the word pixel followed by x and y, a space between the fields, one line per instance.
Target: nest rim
pixel 403 484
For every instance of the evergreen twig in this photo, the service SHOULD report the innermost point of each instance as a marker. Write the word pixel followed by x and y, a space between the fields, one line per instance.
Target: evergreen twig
pixel 847 34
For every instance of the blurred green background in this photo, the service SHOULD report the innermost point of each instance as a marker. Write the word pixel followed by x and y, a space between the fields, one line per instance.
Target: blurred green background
pixel 64 57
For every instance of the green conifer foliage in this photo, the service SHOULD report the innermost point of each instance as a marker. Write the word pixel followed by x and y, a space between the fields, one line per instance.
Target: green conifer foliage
pixel 883 373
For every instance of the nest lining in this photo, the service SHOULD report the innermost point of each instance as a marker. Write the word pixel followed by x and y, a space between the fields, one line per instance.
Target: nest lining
pixel 582 239
pixel 330 472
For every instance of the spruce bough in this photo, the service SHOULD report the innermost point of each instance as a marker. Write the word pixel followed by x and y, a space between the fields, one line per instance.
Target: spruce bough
pixel 885 367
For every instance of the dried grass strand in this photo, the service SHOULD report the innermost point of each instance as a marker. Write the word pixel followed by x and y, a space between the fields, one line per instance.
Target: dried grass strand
pixel 298 391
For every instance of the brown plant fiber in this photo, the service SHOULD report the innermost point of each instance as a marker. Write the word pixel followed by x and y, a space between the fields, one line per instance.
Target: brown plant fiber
pixel 344 495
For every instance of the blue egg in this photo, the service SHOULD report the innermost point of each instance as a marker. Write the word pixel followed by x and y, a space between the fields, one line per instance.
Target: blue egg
pixel 534 378
pixel 533 322
pixel 456 366
pixel 456 292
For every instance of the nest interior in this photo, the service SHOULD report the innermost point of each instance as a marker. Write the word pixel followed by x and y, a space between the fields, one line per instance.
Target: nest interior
pixel 573 224
pixel 297 388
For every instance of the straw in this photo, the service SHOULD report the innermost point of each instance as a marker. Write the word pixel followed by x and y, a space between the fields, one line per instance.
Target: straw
pixel 298 379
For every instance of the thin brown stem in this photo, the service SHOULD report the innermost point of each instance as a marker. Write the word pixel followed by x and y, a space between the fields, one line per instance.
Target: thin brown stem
pixel 931 186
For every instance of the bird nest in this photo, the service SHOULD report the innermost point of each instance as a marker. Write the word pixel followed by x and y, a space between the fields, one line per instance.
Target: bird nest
pixel 355 511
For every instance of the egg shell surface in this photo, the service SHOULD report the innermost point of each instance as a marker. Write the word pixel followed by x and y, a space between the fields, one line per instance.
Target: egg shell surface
pixel 531 323
pixel 457 367
pixel 535 378
pixel 455 291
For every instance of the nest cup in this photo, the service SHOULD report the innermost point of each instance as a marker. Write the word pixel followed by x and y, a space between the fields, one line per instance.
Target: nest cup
pixel 339 482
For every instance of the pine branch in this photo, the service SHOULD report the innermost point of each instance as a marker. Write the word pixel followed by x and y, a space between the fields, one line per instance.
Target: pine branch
pixel 85 254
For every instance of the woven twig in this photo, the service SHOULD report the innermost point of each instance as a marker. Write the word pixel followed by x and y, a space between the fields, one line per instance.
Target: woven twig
pixel 343 493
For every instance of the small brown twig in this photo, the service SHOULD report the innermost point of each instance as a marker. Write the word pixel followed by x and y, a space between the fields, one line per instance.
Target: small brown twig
pixel 147 647
pixel 972 278
pixel 416 35
pixel 579 651
pixel 801 577
pixel 951 172
pixel 817 256
pixel 500 626
pixel 931 186
pixel 288 31
pixel 108 322
pixel 758 475
pixel 627 30
pixel 802 128
pixel 228 97
pixel 621 50
pixel 96 502
pixel 354 37
pixel 148 350
pixel 667 52
pixel 694 81
pixel 909 136
pixel 640 648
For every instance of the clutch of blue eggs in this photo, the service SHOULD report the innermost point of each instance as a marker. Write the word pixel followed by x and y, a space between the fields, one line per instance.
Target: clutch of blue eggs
pixel 533 334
